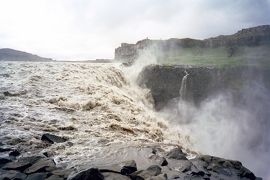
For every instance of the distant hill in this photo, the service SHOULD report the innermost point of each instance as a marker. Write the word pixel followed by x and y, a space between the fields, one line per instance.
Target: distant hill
pixel 247 46
pixel 7 54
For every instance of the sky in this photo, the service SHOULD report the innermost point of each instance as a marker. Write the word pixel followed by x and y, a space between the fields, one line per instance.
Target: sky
pixel 90 29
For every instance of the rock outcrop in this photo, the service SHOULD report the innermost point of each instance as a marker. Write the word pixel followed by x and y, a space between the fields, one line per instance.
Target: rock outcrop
pixel 164 82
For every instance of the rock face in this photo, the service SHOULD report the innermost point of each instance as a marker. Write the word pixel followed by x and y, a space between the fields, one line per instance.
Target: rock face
pixel 250 37
pixel 14 55
pixel 201 83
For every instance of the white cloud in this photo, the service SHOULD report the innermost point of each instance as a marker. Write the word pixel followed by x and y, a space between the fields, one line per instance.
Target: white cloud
pixel 89 29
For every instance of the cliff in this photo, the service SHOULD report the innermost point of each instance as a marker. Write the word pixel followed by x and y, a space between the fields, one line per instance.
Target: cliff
pixel 227 49
pixel 7 54
pixel 164 82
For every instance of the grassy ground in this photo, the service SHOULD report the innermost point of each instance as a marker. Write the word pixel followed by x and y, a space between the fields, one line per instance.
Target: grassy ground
pixel 252 56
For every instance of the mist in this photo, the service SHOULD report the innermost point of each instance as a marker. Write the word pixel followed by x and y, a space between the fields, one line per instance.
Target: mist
pixel 220 126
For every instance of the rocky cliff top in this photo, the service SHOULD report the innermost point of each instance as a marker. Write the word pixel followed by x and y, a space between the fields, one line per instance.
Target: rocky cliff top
pixel 230 44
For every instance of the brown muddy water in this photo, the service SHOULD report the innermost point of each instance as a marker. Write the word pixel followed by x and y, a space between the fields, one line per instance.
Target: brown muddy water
pixel 104 115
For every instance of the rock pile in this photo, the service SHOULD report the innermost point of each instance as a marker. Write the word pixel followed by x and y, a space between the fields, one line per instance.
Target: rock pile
pixel 31 168
pixel 171 165
pixel 174 165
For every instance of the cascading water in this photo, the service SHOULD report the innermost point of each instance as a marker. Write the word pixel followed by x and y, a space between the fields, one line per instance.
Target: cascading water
pixel 94 105
pixel 183 88
pixel 183 109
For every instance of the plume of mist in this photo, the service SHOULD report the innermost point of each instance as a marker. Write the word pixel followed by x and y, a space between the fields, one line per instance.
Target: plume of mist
pixel 145 58
pixel 222 127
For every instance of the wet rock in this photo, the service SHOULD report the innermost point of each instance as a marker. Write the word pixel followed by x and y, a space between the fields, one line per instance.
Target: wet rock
pixel 61 172
pixel 40 166
pixel 171 174
pixel 30 159
pixel 3 149
pixel 245 173
pixel 7 93
pixel 67 128
pixel 220 168
pixel 159 160
pixel 54 177
pixel 14 153
pixel 20 166
pixel 4 160
pixel 159 177
pixel 180 165
pixel 114 176
pixel 176 153
pixel 153 170
pixel 37 176
pixel 93 174
pixel 52 138
pixel 11 174
pixel 197 173
pixel 129 167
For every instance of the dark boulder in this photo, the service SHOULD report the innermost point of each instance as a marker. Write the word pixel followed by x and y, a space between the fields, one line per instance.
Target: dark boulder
pixel 54 177
pixel 40 166
pixel 15 165
pixel 159 160
pixel 30 159
pixel 129 167
pixel 37 176
pixel 159 177
pixel 176 153
pixel 14 153
pixel 4 160
pixel 93 174
pixel 11 174
pixel 114 176
pixel 153 170
pixel 50 138
pixel 61 172
pixel 3 149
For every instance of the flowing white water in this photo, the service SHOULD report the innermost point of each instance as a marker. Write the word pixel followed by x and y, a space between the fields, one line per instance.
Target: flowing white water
pixel 183 88
pixel 94 105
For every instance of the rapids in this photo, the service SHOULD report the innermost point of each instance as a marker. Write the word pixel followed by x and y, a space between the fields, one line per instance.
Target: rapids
pixel 102 112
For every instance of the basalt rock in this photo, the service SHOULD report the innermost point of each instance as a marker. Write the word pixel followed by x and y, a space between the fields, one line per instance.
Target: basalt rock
pixel 50 138
pixel 177 167
pixel 202 82
pixel 92 173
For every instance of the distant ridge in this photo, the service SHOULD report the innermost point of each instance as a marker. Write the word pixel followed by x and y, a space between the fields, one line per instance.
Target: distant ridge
pixel 7 54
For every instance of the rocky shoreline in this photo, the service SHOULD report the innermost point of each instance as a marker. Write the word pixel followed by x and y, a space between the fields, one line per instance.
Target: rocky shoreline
pixel 172 164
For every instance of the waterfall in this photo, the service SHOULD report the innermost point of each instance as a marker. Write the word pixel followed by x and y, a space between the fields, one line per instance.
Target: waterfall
pixel 183 88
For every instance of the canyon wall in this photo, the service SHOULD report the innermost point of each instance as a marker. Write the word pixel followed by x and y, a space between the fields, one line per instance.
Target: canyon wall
pixel 165 82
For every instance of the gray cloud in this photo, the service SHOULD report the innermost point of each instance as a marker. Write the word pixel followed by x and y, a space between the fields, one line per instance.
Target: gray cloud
pixel 87 29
